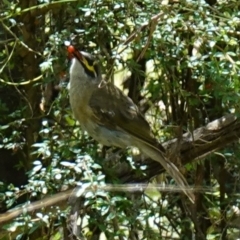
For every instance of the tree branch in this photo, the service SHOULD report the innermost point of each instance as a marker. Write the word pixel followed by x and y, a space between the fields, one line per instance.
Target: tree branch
pixel 193 146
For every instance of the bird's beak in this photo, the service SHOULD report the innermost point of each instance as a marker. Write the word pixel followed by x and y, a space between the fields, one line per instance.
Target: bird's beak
pixel 74 53
pixel 78 55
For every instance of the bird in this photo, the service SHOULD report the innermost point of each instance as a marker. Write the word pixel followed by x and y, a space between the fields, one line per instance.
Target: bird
pixel 111 117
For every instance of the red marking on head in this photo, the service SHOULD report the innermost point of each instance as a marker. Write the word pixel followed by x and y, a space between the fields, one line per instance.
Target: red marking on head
pixel 71 49
pixel 74 53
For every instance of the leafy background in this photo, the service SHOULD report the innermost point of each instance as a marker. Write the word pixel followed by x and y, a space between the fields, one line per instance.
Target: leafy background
pixel 178 61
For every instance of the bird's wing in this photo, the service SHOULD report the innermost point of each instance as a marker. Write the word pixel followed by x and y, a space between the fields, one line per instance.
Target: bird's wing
pixel 121 113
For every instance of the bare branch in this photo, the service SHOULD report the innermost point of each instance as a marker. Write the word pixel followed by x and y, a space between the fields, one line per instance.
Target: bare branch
pixel 194 146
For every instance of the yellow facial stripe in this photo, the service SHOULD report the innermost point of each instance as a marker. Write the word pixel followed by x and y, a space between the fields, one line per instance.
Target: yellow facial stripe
pixel 90 68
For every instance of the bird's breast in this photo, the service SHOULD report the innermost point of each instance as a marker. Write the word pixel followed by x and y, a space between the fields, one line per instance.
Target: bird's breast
pixel 79 100
pixel 106 136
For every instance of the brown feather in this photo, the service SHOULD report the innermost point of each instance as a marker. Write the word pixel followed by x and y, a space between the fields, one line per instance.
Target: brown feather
pixel 123 114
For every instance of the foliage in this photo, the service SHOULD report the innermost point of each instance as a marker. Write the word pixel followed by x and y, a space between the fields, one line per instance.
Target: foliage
pixel 177 60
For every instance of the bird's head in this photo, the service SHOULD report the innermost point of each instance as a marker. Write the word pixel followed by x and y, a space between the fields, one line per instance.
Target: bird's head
pixel 84 67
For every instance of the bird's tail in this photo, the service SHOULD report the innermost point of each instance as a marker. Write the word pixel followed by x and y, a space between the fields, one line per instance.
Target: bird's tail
pixel 159 156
